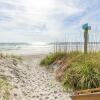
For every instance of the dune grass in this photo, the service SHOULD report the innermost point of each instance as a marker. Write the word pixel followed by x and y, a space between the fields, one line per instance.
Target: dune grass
pixel 51 58
pixel 3 55
pixel 83 71
pixel 5 88
pixel 16 57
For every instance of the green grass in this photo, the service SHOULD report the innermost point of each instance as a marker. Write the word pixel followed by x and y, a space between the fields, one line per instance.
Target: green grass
pixel 83 71
pixel 5 88
pixel 51 58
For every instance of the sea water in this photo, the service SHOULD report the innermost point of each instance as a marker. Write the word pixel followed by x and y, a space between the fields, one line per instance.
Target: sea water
pixel 26 48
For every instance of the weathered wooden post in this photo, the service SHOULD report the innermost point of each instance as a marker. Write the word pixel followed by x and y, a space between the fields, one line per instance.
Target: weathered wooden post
pixel 86 37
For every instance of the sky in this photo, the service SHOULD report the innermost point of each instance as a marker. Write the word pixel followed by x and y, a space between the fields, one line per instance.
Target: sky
pixel 48 20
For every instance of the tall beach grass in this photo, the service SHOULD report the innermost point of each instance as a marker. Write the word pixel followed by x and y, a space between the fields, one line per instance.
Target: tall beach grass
pixel 82 70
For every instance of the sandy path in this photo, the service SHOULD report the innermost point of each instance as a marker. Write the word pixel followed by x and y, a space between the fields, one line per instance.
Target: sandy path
pixel 32 82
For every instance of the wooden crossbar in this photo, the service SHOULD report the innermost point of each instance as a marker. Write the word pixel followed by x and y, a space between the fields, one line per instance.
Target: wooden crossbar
pixel 88 91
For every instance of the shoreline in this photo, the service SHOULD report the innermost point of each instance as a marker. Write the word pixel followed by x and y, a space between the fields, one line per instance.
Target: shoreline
pixel 23 52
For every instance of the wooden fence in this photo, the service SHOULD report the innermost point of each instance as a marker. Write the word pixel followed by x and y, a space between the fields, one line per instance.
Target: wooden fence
pixel 76 46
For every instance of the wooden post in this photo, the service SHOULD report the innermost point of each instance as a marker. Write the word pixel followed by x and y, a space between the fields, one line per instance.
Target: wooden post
pixel 85 40
pixel 86 28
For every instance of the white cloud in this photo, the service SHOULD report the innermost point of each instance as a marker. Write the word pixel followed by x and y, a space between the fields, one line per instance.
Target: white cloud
pixel 29 17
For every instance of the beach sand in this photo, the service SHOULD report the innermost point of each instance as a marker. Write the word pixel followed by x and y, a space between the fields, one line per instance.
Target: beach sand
pixel 30 81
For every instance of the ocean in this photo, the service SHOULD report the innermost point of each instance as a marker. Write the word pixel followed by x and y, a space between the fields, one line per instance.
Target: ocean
pixel 26 48
pixel 45 48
